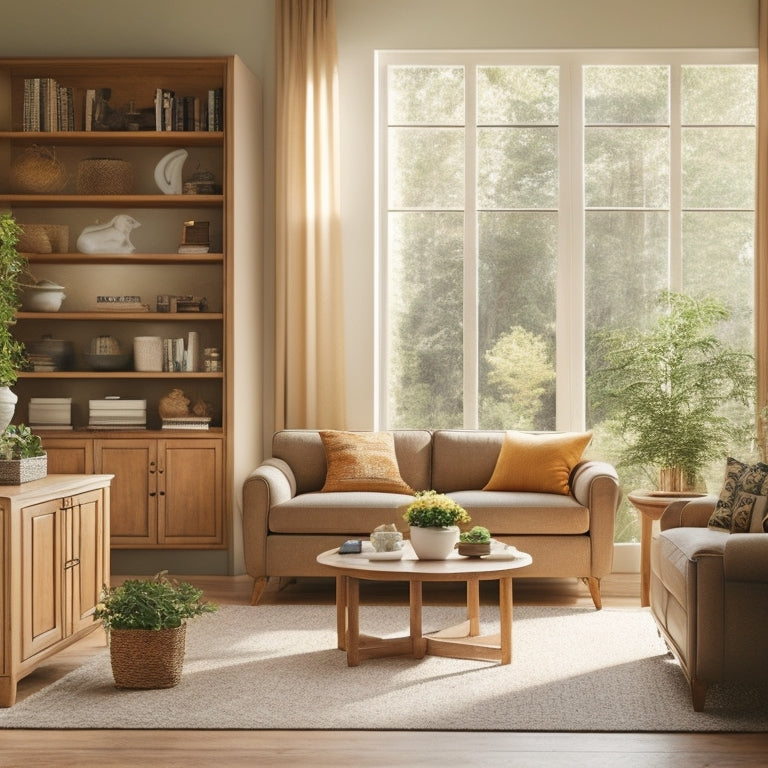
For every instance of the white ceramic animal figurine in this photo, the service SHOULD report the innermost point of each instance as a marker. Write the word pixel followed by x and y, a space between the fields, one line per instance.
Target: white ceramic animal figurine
pixel 113 237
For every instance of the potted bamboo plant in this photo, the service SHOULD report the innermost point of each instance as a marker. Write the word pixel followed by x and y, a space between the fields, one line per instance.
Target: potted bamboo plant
pixel 12 356
pixel 145 620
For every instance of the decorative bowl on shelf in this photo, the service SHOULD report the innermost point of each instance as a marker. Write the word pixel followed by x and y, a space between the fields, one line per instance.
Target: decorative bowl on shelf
pixel 43 296
pixel 120 362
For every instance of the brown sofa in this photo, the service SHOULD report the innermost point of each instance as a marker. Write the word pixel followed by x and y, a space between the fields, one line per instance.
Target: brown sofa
pixel 709 597
pixel 287 521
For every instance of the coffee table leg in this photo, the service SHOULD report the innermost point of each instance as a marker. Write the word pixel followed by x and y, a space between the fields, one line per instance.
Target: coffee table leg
pixel 353 622
pixel 418 640
pixel 341 612
pixel 505 618
pixel 473 607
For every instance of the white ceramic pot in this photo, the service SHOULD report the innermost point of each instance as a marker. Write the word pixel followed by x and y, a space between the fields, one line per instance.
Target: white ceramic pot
pixel 434 543
pixel 44 296
pixel 8 402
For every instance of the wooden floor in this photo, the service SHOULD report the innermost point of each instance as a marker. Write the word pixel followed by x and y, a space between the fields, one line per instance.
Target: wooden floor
pixel 225 749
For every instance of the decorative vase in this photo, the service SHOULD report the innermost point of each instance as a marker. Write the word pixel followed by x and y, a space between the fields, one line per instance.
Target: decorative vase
pixel 434 543
pixel 8 402
pixel 147 658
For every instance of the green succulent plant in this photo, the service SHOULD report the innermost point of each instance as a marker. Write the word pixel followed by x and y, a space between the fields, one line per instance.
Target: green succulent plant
pixel 476 535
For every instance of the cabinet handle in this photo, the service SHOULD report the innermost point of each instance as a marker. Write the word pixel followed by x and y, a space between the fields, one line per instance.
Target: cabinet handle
pixel 72 563
pixel 152 494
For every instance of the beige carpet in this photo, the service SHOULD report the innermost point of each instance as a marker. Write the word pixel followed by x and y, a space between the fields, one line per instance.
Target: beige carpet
pixel 574 669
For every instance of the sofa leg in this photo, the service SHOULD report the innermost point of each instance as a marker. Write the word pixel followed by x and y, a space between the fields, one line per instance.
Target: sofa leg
pixel 594 589
pixel 698 693
pixel 259 585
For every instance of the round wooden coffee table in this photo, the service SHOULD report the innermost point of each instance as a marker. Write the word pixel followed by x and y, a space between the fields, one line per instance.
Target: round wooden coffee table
pixel 463 641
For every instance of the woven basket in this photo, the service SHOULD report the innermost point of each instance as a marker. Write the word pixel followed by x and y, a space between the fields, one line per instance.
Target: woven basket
pixel 37 171
pixel 18 471
pixel 147 658
pixel 104 176
pixel 44 238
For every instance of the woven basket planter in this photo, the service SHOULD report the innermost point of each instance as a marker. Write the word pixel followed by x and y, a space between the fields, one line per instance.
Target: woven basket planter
pixel 18 471
pixel 104 176
pixel 147 658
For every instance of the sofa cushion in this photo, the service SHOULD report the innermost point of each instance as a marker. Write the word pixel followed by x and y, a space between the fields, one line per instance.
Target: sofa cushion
pixel 742 498
pixel 361 461
pixel 344 513
pixel 537 462
pixel 463 459
pixel 522 512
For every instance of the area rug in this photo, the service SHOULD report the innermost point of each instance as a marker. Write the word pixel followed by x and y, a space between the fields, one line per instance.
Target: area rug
pixel 277 667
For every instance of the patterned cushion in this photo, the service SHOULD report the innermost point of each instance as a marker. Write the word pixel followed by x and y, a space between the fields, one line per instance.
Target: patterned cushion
pixel 742 496
pixel 362 461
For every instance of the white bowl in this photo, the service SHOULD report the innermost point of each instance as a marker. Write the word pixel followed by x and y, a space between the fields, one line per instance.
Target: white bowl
pixel 44 296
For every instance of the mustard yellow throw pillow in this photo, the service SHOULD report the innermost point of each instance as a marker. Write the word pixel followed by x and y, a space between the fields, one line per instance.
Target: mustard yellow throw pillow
pixel 537 462
pixel 362 461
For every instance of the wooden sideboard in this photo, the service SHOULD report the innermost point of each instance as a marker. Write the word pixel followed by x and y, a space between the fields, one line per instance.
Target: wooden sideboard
pixel 54 539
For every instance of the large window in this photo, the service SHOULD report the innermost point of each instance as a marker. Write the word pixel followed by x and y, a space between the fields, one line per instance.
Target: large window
pixel 529 200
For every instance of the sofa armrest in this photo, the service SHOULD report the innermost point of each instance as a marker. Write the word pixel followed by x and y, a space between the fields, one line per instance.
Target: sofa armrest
pixel 688 513
pixel 595 485
pixel 272 483
pixel 746 557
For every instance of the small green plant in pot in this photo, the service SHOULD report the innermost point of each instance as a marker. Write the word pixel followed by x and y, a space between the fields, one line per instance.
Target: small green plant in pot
pixel 22 458
pixel 475 542
pixel 145 620
pixel 434 519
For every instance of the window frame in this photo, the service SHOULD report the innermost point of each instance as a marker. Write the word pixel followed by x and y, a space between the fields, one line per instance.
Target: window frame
pixel 570 290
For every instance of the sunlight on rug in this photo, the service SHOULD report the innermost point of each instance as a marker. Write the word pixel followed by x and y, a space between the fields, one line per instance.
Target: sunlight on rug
pixel 277 667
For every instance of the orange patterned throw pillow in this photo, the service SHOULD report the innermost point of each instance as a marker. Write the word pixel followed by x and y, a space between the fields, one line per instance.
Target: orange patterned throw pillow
pixel 537 462
pixel 362 461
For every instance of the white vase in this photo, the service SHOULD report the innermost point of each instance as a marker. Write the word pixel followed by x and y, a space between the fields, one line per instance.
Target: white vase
pixel 8 402
pixel 434 543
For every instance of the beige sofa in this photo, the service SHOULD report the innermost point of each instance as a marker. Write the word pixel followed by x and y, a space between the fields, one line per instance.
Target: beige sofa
pixel 709 597
pixel 288 521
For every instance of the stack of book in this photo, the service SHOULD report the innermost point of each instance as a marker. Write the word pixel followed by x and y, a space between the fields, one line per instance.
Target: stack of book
pixel 50 413
pixel 48 106
pixel 114 413
pixel 187 422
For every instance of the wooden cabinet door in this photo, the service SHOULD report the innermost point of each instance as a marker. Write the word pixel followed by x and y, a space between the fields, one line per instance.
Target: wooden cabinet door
pixel 42 620
pixel 69 456
pixel 133 498
pixel 84 566
pixel 190 490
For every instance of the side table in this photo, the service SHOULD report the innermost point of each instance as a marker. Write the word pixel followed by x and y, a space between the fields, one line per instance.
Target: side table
pixel 651 505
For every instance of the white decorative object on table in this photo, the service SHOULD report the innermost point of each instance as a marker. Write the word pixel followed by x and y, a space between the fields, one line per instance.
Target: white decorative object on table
pixel 113 237
pixel 168 172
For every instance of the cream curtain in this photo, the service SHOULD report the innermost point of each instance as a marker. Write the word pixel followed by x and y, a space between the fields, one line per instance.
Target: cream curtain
pixel 761 244
pixel 309 343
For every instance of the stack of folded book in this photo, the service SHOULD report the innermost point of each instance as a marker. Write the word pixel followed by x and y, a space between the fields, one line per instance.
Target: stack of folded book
pixel 50 412
pixel 114 413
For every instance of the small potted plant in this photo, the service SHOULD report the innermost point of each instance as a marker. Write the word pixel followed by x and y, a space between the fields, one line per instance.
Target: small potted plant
pixel 22 458
pixel 434 519
pixel 145 620
pixel 475 542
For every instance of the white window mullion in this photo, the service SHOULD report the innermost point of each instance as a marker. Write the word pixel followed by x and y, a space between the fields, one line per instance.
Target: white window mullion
pixel 471 288
pixel 675 181
pixel 570 398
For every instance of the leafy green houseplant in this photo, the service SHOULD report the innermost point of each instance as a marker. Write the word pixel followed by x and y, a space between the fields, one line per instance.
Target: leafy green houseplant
pixel 434 519
pixel 475 542
pixel 145 621
pixel 666 390
pixel 12 266
pixel 22 458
